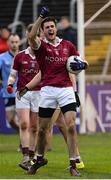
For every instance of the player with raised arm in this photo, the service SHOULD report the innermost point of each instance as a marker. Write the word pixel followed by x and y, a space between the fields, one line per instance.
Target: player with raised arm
pixel 57 89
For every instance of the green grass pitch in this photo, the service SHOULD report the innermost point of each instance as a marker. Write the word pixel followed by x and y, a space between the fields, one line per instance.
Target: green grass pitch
pixel 95 151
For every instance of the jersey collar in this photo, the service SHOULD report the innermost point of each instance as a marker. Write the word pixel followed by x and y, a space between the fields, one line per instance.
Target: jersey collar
pixel 27 51
pixel 10 54
pixel 57 41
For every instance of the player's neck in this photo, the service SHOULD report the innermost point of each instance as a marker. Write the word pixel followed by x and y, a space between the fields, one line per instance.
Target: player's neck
pixel 13 52
pixel 31 51
pixel 52 41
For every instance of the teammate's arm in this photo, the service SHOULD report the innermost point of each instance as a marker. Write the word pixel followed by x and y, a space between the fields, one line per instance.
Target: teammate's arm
pixel 11 80
pixel 12 77
pixel 34 82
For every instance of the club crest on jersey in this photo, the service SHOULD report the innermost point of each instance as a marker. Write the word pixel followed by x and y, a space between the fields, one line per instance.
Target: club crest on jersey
pixel 65 51
pixel 56 51
pixel 49 50
pixel 24 62
pixel 33 65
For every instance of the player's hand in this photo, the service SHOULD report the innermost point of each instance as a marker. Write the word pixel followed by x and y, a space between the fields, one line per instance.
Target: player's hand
pixel 10 88
pixel 85 64
pixel 44 12
pixel 22 92
pixel 78 66
pixel 78 103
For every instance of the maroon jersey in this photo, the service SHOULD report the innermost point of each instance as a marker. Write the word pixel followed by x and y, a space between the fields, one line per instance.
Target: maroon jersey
pixel 27 67
pixel 52 61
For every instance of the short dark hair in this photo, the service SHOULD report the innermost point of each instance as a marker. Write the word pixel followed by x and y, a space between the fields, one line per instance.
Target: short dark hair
pixel 5 27
pixel 48 19
pixel 13 34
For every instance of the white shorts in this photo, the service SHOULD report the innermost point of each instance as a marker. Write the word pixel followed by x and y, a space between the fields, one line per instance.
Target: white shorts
pixel 29 101
pixel 52 97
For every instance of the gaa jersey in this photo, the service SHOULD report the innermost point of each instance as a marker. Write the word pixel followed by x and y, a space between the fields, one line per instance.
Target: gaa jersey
pixel 6 61
pixel 52 61
pixel 27 67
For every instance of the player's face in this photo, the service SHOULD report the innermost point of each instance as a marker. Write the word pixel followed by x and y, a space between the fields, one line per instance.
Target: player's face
pixel 50 30
pixel 5 33
pixel 14 43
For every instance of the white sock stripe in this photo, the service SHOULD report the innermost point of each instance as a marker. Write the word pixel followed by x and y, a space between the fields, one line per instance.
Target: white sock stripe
pixel 73 158
pixel 78 157
pixel 39 155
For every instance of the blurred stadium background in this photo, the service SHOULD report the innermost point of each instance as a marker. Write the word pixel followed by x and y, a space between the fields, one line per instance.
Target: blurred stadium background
pixel 96 36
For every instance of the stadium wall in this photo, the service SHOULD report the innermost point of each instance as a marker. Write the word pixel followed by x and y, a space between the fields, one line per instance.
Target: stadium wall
pixel 97 111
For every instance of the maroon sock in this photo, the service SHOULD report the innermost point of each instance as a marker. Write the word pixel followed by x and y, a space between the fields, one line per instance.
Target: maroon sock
pixel 73 163
pixel 77 160
pixel 31 154
pixel 39 158
pixel 25 150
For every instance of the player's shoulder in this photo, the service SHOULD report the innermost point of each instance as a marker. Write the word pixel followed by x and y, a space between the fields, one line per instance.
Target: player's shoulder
pixel 67 42
pixel 4 54
pixel 20 53
pixel 69 45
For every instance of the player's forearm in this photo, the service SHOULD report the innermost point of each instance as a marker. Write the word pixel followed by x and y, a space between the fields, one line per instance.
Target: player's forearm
pixel 73 80
pixel 34 41
pixel 12 77
pixel 35 28
pixel 34 82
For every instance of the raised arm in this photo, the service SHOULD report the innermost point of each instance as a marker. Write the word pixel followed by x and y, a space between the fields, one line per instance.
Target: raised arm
pixel 34 40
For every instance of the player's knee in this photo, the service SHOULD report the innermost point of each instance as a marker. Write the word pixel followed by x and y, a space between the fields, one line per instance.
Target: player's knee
pixel 71 129
pixel 24 126
pixel 42 131
pixel 33 129
pixel 61 126
pixel 11 121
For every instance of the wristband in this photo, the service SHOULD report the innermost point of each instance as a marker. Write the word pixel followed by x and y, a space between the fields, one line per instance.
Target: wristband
pixel 22 92
pixel 10 88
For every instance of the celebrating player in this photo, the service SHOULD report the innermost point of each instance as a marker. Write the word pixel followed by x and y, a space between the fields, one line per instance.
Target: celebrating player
pixel 57 89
